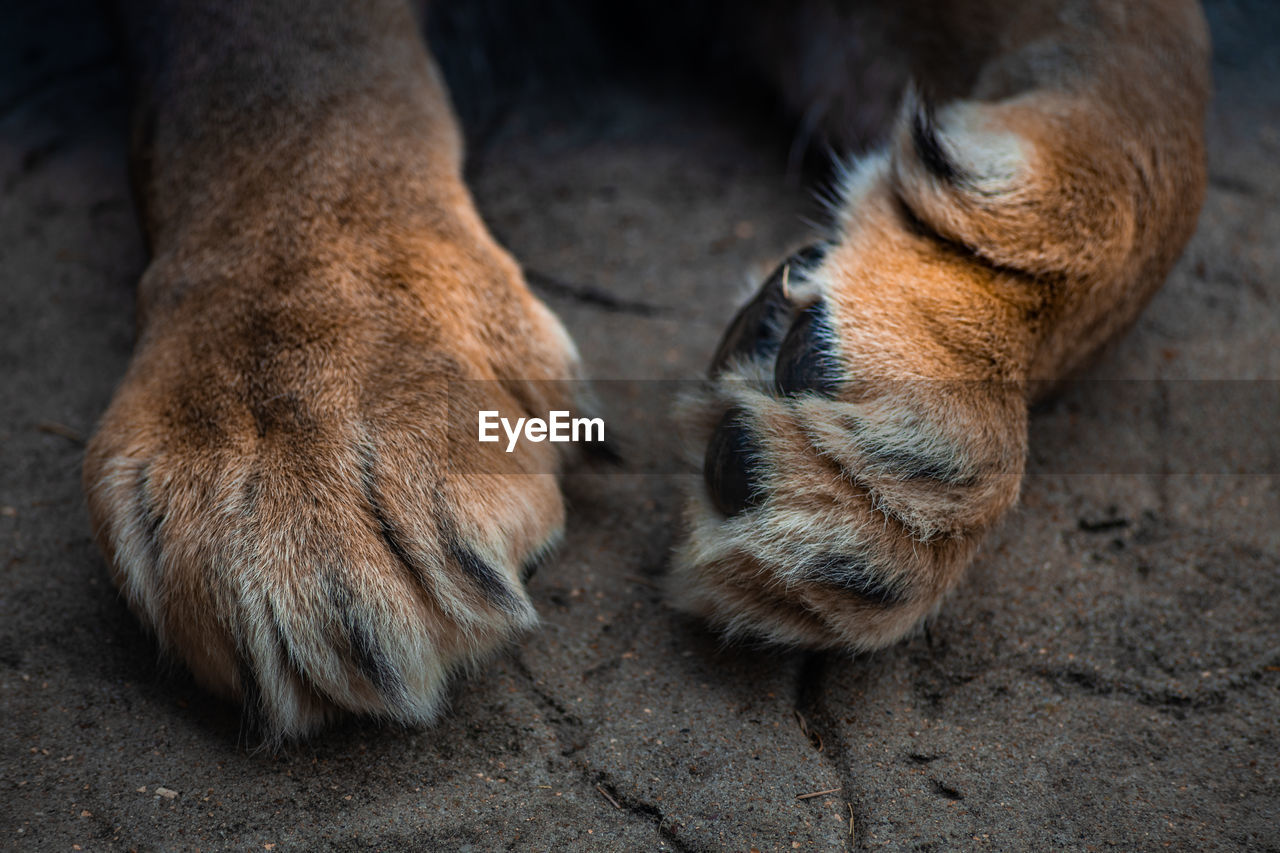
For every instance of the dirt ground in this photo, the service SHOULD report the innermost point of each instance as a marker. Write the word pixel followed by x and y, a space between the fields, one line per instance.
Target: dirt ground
pixel 1108 674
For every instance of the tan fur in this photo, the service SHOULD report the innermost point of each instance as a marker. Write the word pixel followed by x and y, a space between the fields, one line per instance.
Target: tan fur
pixel 274 485
pixel 1075 172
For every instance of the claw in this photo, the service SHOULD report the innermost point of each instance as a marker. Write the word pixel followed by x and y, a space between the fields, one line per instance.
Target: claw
pixel 757 327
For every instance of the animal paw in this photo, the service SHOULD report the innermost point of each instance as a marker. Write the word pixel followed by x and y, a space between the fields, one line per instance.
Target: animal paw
pixel 860 432
pixel 279 498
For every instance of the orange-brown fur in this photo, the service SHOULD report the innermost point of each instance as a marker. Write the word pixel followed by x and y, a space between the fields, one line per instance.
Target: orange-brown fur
pixel 273 485
pixel 1076 171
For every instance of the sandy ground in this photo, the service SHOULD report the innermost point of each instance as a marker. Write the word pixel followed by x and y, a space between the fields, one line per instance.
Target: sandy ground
pixel 1108 675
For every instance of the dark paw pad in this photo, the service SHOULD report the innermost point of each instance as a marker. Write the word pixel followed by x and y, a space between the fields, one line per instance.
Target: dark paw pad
pixel 757 327
pixel 806 363
pixel 729 469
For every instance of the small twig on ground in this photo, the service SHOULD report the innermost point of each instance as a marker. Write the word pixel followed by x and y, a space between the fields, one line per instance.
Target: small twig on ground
pixel 813 737
pixel 617 805
pixel 61 430
pixel 817 793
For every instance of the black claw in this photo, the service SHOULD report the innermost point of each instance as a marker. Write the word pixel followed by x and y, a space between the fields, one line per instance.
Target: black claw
pixel 756 328
pixel 534 562
pixel 729 469
pixel 929 146
pixel 805 361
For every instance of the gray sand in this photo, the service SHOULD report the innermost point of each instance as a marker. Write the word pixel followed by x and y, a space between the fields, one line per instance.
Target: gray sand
pixel 1107 674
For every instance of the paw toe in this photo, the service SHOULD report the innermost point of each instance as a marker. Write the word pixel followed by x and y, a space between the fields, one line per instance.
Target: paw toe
pixel 305 603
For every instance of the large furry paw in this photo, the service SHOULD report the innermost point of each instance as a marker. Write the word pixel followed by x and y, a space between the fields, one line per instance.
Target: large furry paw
pixel 837 507
pixel 863 426
pixel 279 499
pixel 865 423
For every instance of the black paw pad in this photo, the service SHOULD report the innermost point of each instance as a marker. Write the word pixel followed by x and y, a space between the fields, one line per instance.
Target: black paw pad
pixel 729 469
pixel 806 363
pixel 756 328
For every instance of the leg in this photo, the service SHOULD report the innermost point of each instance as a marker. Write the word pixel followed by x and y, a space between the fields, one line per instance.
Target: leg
pixel 866 422
pixel 272 484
